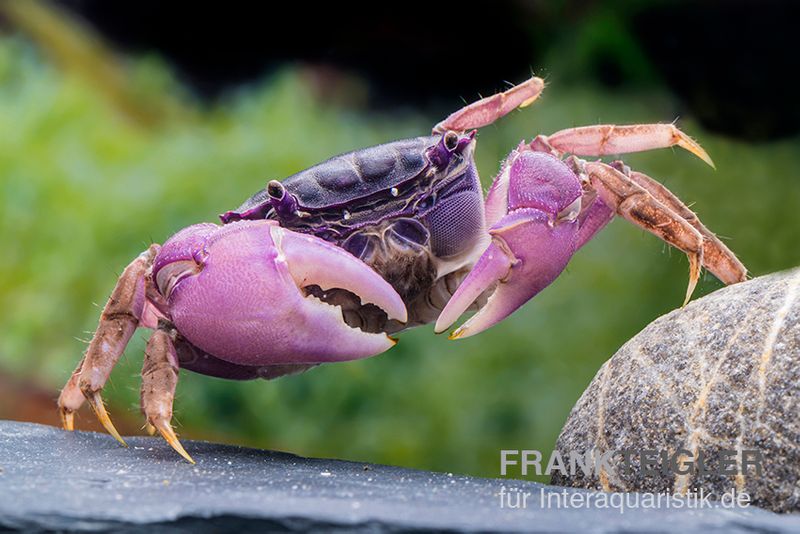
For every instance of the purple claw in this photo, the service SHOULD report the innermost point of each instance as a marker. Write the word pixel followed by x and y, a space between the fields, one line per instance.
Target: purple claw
pixel 531 244
pixel 495 264
pixel 526 254
pixel 312 261
pixel 237 292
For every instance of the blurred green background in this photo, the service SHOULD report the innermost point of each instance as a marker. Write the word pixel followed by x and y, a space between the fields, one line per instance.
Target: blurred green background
pixel 103 153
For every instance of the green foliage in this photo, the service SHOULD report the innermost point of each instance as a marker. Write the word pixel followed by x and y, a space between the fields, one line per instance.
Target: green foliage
pixel 84 191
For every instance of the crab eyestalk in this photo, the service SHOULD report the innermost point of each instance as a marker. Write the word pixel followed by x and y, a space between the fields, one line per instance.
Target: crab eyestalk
pixel 451 144
pixel 283 202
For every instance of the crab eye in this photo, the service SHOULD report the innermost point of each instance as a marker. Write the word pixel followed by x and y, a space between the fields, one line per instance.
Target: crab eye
pixel 451 140
pixel 275 189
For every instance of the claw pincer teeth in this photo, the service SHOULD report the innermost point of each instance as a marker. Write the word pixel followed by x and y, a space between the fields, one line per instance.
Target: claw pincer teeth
pixel 312 261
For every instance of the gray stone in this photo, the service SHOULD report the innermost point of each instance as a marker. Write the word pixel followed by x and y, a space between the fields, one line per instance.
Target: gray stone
pixel 721 374
pixel 56 480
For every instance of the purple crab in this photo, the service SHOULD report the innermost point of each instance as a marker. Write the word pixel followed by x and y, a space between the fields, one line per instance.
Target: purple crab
pixel 323 266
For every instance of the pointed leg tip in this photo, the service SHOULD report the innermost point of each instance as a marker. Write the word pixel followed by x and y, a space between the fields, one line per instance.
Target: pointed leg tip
pixel 180 450
pixel 700 152
pixel 694 276
pixel 96 402
pixel 687 143
pixel 689 293
pixel 117 436
pixel 67 419
pixel 166 431
pixel 705 157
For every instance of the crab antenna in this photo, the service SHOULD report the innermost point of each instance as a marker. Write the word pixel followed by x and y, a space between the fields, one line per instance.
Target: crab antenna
pixel 487 110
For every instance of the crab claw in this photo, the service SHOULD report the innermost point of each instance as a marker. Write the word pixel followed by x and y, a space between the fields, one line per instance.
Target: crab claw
pixel 531 243
pixel 312 261
pixel 239 292
pixel 526 254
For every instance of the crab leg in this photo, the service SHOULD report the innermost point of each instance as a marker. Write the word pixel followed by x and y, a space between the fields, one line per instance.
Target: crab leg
pixel 118 322
pixel 636 204
pixel 602 140
pixel 717 257
pixel 487 110
pixel 159 380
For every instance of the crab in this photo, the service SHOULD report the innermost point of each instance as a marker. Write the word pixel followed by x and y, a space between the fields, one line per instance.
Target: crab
pixel 325 265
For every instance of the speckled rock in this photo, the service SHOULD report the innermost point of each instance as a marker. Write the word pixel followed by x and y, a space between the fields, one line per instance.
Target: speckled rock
pixel 716 378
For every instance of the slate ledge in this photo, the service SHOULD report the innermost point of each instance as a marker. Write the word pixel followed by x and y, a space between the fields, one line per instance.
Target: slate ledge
pixel 83 481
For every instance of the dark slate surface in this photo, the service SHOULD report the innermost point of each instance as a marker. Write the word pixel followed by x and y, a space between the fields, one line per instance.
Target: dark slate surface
pixel 54 480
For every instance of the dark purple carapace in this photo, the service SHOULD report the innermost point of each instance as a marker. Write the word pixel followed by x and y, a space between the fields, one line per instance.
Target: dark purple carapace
pixel 406 208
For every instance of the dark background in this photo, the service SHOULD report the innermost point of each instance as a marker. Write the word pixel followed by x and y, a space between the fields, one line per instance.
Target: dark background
pixel 732 63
